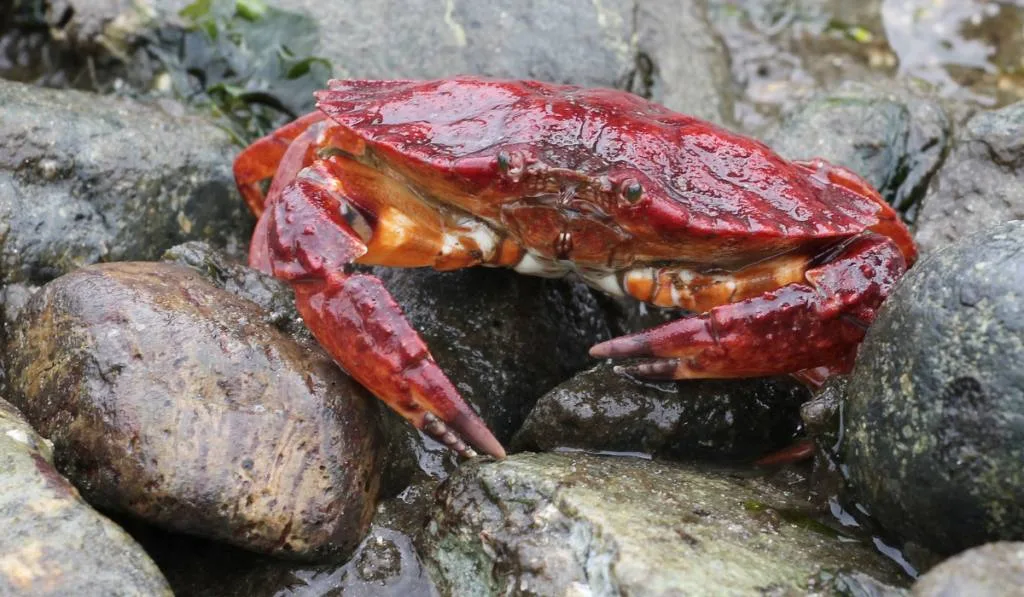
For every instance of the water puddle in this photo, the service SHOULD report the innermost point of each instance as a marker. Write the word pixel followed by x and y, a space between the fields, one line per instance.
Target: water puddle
pixel 783 50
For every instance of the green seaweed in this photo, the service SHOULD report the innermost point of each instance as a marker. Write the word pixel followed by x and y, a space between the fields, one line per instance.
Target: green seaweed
pixel 252 65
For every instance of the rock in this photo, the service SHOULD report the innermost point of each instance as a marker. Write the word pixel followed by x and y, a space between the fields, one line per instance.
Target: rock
pixel 173 401
pixel 53 543
pixel 681 63
pixel 981 183
pixel 224 271
pixel 857 584
pixel 653 48
pixel 992 570
pixel 547 524
pixel 574 41
pixel 708 419
pixel 504 339
pixel 896 142
pixel 935 415
pixel 386 563
pixel 116 180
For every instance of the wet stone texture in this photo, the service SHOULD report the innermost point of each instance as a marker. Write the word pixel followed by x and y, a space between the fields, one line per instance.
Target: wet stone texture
pixel 504 339
pixel 714 419
pixel 895 142
pixel 992 570
pixel 386 563
pixel 52 542
pixel 171 400
pixel 981 183
pixel 85 178
pixel 935 414
pixel 549 524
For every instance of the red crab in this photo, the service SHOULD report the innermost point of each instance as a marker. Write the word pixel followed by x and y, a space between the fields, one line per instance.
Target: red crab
pixel 785 263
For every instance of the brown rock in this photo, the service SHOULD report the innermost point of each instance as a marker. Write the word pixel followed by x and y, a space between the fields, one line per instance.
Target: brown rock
pixel 173 401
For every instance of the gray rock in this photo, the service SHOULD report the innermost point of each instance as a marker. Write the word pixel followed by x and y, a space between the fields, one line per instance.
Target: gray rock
pixel 503 338
pixel 653 47
pixel 992 570
pixel 855 584
pixel 706 419
pixel 981 183
pixel 173 401
pixel 385 564
pixel 896 142
pixel 935 413
pixel 550 524
pixel 681 63
pixel 85 178
pixel 224 271
pixel 53 543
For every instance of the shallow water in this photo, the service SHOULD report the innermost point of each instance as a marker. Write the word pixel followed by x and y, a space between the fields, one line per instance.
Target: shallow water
pixel 784 50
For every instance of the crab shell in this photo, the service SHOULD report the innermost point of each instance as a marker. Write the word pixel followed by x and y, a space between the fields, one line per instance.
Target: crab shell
pixel 626 179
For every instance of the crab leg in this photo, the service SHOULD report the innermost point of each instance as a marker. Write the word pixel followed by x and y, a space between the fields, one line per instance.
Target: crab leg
pixel 309 236
pixel 261 160
pixel 802 325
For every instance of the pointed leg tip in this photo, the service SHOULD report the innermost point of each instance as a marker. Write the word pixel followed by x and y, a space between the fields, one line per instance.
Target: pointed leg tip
pixel 621 347
pixel 476 433
pixel 463 433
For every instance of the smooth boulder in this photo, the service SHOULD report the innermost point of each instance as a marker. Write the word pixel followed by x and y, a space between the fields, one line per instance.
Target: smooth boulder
pixel 175 402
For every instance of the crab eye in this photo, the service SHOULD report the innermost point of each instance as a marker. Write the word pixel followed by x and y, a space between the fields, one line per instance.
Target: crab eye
pixel 632 191
pixel 504 161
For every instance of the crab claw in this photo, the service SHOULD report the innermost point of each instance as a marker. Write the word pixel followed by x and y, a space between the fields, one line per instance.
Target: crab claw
pixel 358 322
pixel 800 326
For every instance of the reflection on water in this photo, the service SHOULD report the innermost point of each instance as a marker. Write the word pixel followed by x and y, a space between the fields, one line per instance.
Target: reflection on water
pixel 782 50
pixel 968 49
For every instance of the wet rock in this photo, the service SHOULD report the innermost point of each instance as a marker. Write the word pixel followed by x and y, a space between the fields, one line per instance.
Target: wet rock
pixel 680 63
pixel 714 419
pixel 100 27
pixel 981 183
pixel 386 563
pixel 895 142
pixel 172 401
pixel 653 48
pixel 991 570
pixel 224 271
pixel 12 299
pixel 504 339
pixel 576 41
pixel 86 178
pixel 550 524
pixel 935 413
pixel 52 542
pixel 79 44
pixel 857 584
